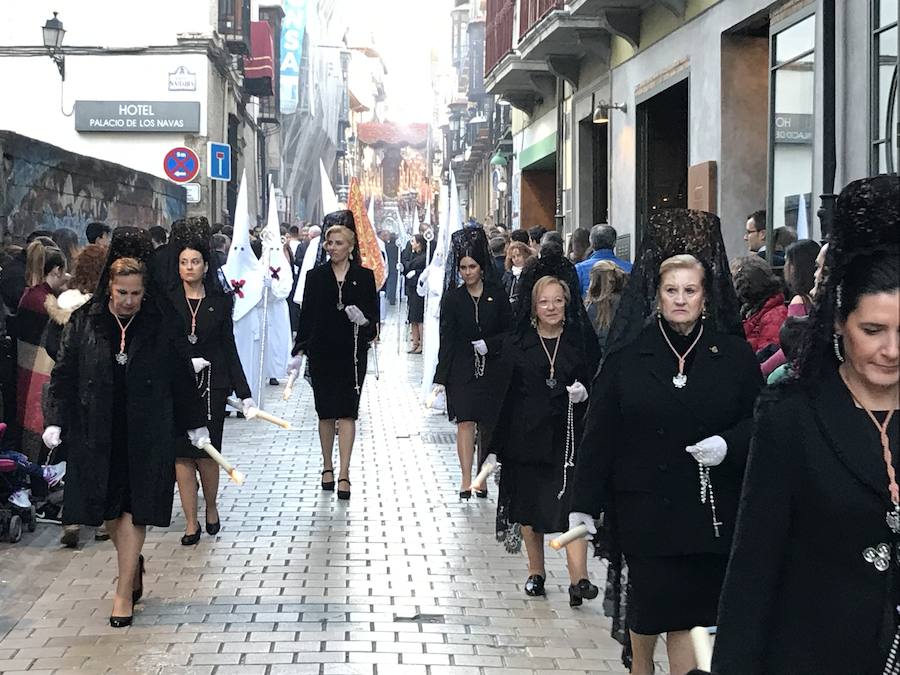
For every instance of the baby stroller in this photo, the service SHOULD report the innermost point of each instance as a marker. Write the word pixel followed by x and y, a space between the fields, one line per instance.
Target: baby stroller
pixel 12 516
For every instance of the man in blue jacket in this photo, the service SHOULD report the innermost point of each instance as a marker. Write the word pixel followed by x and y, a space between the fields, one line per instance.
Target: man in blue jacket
pixel 603 243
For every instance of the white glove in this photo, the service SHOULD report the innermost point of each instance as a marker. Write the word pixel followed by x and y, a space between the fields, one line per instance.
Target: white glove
pixel 199 364
pixel 480 346
pixel 410 274
pixel 491 459
pixel 199 437
pixel 355 315
pixel 577 392
pixel 293 366
pixel 710 451
pixel 51 436
pixel 438 389
pixel 577 518
pixel 249 408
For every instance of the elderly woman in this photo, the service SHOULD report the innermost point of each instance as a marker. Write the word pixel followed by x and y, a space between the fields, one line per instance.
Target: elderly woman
pixel 121 394
pixel 517 254
pixel 667 433
pixel 338 321
pixel 475 314
pixel 812 584
pixel 552 353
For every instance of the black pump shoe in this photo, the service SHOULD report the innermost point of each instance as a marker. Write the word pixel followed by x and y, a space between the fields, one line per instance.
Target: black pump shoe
pixel 329 485
pixel 465 494
pixel 584 589
pixel 343 494
pixel 481 494
pixel 121 621
pixel 534 586
pixel 138 592
pixel 212 529
pixel 191 539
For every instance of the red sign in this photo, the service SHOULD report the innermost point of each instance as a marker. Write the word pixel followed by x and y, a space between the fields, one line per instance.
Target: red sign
pixel 181 165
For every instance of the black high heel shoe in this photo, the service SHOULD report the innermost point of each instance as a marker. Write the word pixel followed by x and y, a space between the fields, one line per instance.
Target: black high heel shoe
pixel 584 589
pixel 481 494
pixel 191 539
pixel 121 621
pixel 138 592
pixel 343 494
pixel 465 494
pixel 212 529
pixel 534 586
pixel 329 485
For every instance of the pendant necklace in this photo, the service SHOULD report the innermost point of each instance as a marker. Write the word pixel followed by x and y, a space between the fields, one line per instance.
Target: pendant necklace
pixel 122 357
pixel 480 359
pixel 340 302
pixel 192 338
pixel 892 518
pixel 680 379
pixel 551 381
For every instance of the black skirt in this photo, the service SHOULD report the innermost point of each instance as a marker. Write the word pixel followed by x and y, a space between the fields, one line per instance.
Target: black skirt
pixel 474 401
pixel 415 306
pixel 530 494
pixel 673 593
pixel 216 425
pixel 334 386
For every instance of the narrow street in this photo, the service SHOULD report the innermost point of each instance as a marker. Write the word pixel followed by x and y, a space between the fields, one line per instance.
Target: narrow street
pixel 402 579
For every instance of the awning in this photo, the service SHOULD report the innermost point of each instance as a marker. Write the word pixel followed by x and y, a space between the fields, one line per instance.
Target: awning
pixel 259 68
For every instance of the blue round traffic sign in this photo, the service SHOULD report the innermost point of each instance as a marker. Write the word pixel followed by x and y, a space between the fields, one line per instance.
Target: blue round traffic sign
pixel 181 165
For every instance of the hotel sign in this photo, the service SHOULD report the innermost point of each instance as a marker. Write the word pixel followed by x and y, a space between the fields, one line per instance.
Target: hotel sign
pixel 141 116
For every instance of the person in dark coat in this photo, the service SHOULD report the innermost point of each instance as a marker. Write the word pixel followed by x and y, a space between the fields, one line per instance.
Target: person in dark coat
pixel 813 583
pixel 667 434
pixel 475 315
pixel 121 394
pixel 390 248
pixel 552 354
pixel 338 319
pixel 205 335
pixel 413 269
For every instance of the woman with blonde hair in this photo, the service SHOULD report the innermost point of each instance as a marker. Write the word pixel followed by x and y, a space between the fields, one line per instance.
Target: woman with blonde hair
pixel 608 280
pixel 517 254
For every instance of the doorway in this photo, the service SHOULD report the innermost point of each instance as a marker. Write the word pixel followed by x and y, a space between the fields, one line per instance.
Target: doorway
pixel 662 153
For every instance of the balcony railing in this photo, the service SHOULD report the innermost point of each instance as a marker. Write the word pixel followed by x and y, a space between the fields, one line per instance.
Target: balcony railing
pixel 234 25
pixel 498 39
pixel 532 11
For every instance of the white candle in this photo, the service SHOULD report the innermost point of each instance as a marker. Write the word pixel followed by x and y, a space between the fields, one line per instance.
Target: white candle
pixel 257 413
pixel 217 457
pixel 289 387
pixel 562 540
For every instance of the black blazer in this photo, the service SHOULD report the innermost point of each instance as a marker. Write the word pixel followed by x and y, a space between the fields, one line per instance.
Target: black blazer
pixel 632 459
pixel 324 330
pixel 458 330
pixel 799 598
pixel 215 340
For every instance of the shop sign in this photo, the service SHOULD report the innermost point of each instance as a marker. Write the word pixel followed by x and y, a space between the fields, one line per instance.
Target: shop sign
pixel 140 116
pixel 794 128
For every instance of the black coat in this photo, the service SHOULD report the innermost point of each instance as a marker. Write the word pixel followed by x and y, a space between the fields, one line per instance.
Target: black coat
pixel 458 330
pixel 162 403
pixel 632 457
pixel 325 332
pixel 215 340
pixel 799 598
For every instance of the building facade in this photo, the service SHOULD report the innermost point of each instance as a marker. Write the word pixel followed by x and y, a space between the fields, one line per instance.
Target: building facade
pixel 134 81
pixel 626 107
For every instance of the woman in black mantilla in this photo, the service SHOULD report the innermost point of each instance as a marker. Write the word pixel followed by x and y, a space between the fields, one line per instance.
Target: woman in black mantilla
pixel 120 394
pixel 338 319
pixel 475 316
pixel 551 354
pixel 205 334
pixel 667 434
pixel 813 583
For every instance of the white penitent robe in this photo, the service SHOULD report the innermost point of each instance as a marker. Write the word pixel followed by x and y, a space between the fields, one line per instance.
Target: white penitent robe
pixel 247 340
pixel 278 331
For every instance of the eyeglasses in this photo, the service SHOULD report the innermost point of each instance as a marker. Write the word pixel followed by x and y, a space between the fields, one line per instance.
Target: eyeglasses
pixel 547 304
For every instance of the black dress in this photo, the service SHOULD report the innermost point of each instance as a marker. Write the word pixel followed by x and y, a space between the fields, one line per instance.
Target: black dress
pixel 633 466
pixel 215 343
pixel 336 350
pixel 530 437
pixel 800 596
pixel 471 398
pixel 415 302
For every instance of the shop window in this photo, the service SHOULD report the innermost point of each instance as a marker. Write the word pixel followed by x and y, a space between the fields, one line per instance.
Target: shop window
pixel 791 124
pixel 884 105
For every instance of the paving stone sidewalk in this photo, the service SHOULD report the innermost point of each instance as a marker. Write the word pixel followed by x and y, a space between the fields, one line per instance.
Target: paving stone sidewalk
pixel 402 579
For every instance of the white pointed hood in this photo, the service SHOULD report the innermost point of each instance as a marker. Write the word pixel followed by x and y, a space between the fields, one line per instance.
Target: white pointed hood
pixel 242 268
pixel 330 202
pixel 275 264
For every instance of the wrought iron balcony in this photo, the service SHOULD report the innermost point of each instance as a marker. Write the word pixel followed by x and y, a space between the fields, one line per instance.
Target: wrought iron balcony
pixel 234 25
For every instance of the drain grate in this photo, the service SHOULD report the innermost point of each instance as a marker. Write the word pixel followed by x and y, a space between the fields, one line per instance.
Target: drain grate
pixel 438 437
pixel 419 618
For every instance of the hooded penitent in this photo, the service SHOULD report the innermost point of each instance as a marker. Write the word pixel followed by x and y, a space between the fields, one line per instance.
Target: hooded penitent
pixel 277 271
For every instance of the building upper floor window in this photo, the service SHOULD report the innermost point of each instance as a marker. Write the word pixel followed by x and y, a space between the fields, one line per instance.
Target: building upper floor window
pixel 884 105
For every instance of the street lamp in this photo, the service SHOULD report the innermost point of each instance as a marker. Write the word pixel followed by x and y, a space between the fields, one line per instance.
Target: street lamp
pixel 53 38
pixel 601 111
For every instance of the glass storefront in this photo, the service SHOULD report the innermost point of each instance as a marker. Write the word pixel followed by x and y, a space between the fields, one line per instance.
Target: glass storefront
pixel 792 125
pixel 884 103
